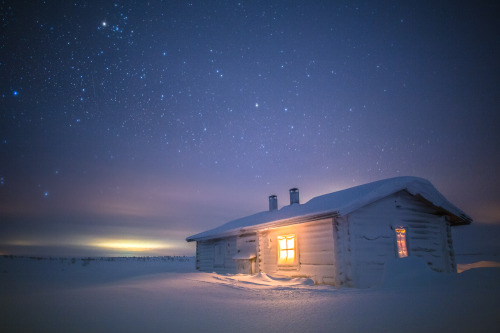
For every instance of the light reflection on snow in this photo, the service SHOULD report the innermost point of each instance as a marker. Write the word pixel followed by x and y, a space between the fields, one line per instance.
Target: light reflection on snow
pixel 166 294
pixel 480 264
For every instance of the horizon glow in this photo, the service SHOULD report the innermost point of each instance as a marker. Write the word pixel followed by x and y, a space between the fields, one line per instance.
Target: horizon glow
pixel 117 128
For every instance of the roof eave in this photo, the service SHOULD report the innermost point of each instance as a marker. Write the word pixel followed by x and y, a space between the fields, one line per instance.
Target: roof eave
pixel 267 225
pixel 456 215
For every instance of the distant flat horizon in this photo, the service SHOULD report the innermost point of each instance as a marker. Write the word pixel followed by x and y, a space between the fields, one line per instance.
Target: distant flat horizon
pixel 127 126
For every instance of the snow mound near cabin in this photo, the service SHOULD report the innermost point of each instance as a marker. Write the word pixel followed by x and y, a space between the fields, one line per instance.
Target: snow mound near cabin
pixel 258 281
pixel 412 272
pixel 157 295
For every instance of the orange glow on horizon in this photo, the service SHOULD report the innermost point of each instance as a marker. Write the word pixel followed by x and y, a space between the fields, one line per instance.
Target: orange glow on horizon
pixel 129 245
pixel 94 246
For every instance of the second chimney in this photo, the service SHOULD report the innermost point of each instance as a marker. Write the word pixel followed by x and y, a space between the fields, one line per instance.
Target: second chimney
pixel 294 196
pixel 273 202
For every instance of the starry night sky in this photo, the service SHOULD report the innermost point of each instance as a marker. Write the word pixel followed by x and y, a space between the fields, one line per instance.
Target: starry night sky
pixel 126 126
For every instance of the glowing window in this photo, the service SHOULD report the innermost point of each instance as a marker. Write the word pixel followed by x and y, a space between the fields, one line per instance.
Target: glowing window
pixel 401 242
pixel 286 250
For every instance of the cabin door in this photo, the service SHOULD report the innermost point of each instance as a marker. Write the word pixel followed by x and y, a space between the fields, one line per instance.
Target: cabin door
pixel 244 266
pixel 246 254
pixel 219 254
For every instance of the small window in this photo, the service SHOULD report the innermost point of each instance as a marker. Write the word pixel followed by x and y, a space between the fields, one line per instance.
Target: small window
pixel 286 250
pixel 401 242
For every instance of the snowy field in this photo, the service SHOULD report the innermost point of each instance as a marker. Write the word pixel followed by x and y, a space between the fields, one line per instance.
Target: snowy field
pixel 166 294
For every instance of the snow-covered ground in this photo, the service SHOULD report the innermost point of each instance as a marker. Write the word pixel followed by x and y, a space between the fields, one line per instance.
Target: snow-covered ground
pixel 168 295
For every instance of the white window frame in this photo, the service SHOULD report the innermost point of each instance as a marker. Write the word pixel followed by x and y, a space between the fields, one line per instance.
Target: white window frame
pixel 294 248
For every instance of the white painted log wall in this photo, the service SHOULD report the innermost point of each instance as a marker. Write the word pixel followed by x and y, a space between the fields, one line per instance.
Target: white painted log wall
pixel 429 236
pixel 371 243
pixel 205 255
pixel 315 251
pixel 372 238
pixel 342 246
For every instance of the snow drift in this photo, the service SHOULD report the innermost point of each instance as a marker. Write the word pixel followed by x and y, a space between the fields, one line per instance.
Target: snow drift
pixel 166 294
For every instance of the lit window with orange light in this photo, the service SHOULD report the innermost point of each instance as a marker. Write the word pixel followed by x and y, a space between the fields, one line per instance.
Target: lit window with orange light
pixel 286 250
pixel 401 242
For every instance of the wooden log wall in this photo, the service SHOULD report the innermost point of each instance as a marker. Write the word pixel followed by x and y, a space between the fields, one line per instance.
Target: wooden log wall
pixel 372 237
pixel 314 248
pixel 205 255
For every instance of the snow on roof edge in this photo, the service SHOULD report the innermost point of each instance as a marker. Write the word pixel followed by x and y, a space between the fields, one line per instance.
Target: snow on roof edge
pixel 342 203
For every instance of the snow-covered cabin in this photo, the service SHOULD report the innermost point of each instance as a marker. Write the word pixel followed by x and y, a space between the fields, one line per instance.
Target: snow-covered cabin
pixel 343 238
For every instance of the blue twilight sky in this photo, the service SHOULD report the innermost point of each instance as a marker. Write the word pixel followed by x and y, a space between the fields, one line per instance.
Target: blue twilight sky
pixel 126 126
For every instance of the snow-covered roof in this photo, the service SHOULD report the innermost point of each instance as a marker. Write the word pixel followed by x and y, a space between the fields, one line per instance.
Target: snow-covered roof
pixel 337 204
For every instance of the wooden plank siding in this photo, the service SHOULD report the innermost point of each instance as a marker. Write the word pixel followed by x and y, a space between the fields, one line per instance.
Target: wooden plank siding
pixel 205 255
pixel 372 238
pixel 314 248
pixel 429 236
pixel 341 238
